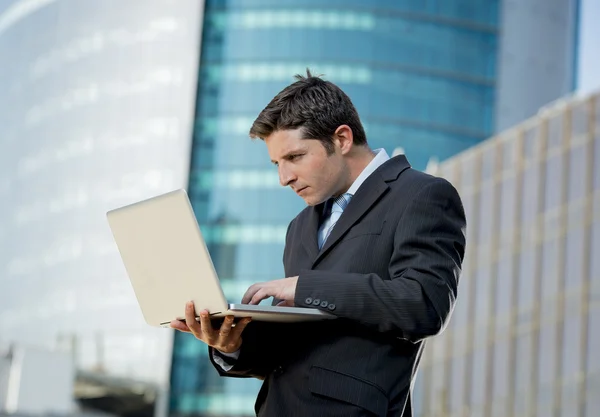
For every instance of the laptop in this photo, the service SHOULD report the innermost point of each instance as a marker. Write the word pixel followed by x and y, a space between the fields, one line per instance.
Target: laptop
pixel 168 264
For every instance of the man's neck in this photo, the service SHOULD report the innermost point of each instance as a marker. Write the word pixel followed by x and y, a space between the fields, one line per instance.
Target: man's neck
pixel 357 164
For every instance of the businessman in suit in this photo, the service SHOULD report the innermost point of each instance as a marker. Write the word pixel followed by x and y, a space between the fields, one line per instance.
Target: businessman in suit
pixel 380 245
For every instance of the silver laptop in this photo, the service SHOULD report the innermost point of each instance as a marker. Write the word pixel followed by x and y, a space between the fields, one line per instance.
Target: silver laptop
pixel 168 264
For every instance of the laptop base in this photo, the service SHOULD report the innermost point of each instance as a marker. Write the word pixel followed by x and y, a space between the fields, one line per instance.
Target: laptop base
pixel 268 313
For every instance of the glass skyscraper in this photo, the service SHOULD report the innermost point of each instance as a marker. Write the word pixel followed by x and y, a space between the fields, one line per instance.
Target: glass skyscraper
pixel 421 75
pixel 525 335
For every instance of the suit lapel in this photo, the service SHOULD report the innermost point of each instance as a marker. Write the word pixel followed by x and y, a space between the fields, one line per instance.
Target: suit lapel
pixel 311 230
pixel 367 195
pixel 364 199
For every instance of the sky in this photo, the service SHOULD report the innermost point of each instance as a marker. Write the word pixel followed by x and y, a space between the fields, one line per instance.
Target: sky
pixel 589 47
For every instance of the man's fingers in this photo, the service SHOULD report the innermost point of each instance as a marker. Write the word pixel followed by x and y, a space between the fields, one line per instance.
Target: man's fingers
pixel 179 325
pixel 190 320
pixel 226 326
pixel 256 293
pixel 207 330
pixel 236 333
pixel 225 331
pixel 259 296
pixel 250 293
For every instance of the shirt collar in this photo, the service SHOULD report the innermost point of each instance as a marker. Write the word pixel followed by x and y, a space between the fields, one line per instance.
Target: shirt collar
pixel 380 158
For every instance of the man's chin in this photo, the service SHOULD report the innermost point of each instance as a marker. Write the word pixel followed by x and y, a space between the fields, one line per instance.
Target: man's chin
pixel 308 201
pixel 312 201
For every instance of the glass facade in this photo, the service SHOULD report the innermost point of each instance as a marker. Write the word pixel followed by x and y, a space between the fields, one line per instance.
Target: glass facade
pixel 421 75
pixel 96 109
pixel 525 335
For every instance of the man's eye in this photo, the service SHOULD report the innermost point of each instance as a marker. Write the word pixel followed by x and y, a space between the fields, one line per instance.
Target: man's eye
pixel 292 157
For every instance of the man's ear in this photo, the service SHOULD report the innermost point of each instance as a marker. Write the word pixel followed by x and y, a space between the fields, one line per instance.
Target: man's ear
pixel 343 138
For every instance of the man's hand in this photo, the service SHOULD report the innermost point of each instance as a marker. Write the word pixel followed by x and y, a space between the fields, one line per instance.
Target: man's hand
pixel 282 289
pixel 227 339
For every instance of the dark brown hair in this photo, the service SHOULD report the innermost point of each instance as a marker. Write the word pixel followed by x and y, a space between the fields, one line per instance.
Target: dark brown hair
pixel 317 106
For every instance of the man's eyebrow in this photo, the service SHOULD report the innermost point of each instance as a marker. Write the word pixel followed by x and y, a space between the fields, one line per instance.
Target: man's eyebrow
pixel 288 154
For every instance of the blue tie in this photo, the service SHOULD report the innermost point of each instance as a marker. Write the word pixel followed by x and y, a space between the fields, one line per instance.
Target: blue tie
pixel 337 208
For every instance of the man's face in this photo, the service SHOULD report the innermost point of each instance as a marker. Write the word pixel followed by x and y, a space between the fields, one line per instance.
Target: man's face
pixel 305 166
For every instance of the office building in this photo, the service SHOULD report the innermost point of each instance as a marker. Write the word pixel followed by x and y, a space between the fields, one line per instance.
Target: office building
pixel 588 59
pixel 96 112
pixel 525 335
pixel 538 57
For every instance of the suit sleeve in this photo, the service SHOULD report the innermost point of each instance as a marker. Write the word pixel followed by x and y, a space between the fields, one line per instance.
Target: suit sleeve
pixel 258 355
pixel 261 346
pixel 429 245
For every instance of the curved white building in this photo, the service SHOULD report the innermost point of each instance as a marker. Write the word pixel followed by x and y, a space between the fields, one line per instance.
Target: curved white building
pixel 96 112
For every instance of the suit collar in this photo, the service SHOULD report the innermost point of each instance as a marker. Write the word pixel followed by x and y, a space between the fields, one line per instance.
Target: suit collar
pixel 391 169
pixel 366 196
pixel 379 159
pixel 370 192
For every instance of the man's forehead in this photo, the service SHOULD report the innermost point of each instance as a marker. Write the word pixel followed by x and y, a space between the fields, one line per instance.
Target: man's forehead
pixel 286 136
pixel 285 141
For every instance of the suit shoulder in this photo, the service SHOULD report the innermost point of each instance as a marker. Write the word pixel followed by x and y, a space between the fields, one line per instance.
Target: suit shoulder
pixel 418 180
pixel 421 177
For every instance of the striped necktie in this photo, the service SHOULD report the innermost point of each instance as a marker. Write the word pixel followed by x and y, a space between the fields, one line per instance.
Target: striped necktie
pixel 337 208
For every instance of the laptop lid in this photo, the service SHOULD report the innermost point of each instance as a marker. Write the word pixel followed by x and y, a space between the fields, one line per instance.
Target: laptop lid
pixel 165 257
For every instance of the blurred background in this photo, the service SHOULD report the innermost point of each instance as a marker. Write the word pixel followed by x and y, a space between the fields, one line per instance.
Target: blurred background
pixel 107 102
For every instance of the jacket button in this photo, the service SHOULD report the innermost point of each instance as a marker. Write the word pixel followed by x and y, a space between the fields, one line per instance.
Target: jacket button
pixel 316 302
pixel 308 300
pixel 324 304
pixel 278 370
pixel 331 307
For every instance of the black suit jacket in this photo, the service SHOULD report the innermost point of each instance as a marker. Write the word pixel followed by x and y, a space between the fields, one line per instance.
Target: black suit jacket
pixel 389 270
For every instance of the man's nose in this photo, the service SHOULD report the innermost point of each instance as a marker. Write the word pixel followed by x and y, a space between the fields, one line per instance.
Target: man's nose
pixel 285 176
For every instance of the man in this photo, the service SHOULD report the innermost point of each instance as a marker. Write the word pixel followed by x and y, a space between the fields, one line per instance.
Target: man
pixel 379 245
